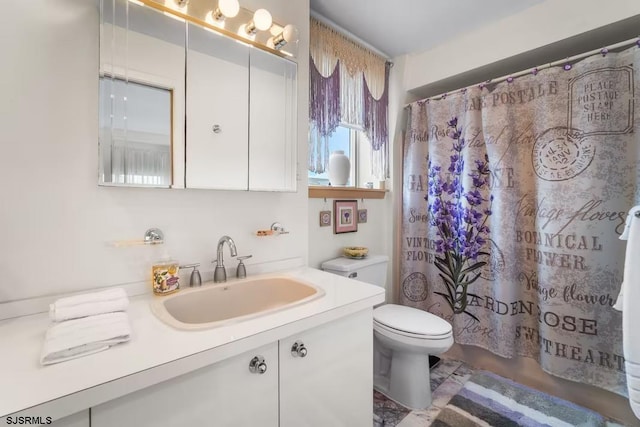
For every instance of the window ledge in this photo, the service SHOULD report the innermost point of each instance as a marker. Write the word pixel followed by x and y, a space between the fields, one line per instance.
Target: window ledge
pixel 321 192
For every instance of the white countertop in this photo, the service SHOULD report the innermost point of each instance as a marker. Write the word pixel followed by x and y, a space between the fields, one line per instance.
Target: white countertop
pixel 156 351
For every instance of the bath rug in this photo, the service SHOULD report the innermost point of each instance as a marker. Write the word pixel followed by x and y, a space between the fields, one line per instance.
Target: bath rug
pixel 491 400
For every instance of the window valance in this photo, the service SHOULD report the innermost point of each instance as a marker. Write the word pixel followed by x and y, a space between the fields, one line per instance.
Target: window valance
pixel 348 85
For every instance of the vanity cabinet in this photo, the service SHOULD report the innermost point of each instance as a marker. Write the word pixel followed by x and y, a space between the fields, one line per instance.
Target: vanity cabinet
pixel 328 384
pixel 222 394
pixel 332 385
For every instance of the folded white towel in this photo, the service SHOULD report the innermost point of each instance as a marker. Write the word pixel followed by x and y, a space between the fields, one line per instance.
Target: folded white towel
pixel 89 304
pixel 81 337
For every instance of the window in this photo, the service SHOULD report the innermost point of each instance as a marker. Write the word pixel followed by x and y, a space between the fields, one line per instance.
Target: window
pixel 341 139
pixel 357 148
pixel 348 107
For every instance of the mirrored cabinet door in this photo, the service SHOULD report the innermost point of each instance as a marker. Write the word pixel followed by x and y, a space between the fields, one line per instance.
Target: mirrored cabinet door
pixel 217 111
pixel 272 123
pixel 141 92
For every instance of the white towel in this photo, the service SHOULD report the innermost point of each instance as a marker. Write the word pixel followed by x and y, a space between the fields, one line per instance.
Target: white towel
pixel 627 226
pixel 81 337
pixel 632 255
pixel 89 304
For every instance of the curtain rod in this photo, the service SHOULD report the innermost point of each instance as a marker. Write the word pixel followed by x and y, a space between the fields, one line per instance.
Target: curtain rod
pixel 329 23
pixel 603 51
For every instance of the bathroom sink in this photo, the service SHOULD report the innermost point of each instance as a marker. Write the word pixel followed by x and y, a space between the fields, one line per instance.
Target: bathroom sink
pixel 223 303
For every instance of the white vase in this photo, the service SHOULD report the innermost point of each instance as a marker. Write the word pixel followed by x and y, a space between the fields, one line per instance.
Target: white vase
pixel 339 168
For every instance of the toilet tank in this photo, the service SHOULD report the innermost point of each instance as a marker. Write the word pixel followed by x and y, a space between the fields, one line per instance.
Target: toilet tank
pixel 372 269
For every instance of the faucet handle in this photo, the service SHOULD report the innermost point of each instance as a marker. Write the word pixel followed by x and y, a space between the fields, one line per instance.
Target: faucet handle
pixel 196 279
pixel 241 270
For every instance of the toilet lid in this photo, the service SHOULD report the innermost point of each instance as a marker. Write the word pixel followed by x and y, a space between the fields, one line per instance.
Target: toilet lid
pixel 411 320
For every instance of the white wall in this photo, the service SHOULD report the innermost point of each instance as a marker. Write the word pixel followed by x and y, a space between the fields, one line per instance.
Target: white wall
pixel 55 222
pixel 538 26
pixel 374 234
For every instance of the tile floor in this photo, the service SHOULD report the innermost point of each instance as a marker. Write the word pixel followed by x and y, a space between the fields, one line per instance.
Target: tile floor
pixel 447 378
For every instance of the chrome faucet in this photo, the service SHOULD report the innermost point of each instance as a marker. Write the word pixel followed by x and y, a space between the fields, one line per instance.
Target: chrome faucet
pixel 220 274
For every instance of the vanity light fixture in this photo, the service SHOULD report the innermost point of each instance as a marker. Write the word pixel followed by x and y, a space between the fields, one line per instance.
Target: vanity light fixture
pixel 289 34
pixel 225 9
pixel 261 21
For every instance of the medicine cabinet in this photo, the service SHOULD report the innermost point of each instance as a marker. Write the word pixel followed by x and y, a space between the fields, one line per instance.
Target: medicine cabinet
pixel 184 106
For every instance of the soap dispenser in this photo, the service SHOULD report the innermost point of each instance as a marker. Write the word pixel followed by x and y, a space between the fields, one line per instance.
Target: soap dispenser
pixel 164 276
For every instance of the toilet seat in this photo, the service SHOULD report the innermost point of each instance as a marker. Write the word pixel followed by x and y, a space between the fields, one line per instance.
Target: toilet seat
pixel 385 329
pixel 411 322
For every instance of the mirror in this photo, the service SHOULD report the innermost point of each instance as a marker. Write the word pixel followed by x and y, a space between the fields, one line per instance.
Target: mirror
pixel 141 96
pixel 182 105
pixel 135 133
pixel 272 123
pixel 217 106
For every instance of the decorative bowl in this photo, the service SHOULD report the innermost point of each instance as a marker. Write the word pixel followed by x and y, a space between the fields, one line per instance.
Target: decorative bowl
pixel 355 251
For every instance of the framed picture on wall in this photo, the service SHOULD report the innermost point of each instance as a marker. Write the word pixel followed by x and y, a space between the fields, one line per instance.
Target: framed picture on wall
pixel 346 216
pixel 362 216
pixel 325 218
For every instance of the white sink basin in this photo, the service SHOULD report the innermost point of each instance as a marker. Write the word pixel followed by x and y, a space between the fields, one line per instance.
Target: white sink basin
pixel 221 304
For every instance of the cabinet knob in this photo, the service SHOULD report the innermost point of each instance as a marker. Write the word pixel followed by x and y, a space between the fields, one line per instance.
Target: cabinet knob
pixel 298 349
pixel 258 365
pixel 216 129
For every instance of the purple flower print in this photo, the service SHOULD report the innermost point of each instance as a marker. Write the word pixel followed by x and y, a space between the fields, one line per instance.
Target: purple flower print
pixel 346 216
pixel 459 215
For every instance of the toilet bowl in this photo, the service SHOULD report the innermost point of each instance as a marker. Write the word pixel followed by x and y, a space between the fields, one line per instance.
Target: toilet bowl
pixel 404 337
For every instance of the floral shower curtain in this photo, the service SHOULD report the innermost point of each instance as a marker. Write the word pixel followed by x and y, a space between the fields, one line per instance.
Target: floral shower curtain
pixel 514 197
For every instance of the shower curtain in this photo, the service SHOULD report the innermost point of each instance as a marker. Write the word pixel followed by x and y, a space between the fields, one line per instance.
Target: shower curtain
pixel 514 197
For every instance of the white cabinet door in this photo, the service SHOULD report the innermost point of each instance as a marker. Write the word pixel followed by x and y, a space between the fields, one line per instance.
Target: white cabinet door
pixel 333 384
pixel 272 123
pixel 81 419
pixel 217 147
pixel 223 394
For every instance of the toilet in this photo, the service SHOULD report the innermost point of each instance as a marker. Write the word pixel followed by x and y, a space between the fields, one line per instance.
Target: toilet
pixel 403 337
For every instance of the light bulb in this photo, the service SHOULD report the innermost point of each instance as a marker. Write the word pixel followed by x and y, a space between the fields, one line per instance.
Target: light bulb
pixel 225 9
pixel 262 19
pixel 289 34
pixel 229 8
pixel 275 29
